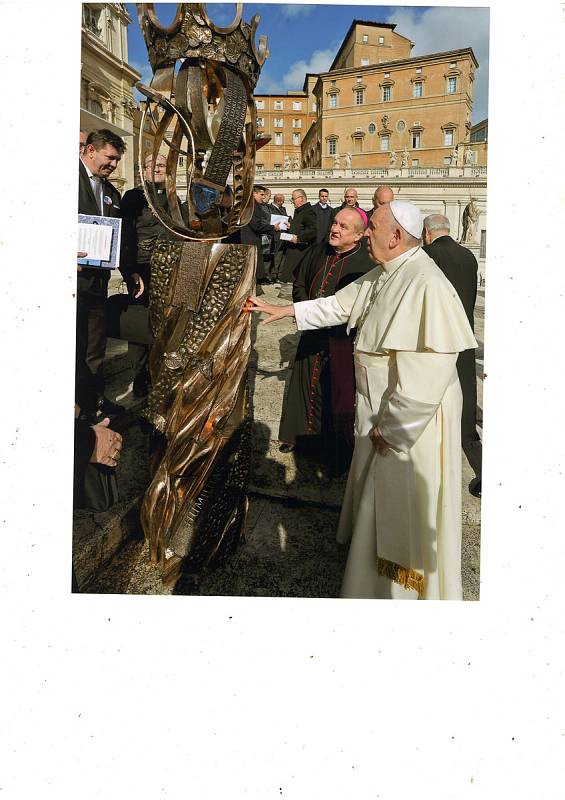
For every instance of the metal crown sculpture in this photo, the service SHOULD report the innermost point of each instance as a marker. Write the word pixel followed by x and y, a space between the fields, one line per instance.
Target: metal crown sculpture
pixel 208 102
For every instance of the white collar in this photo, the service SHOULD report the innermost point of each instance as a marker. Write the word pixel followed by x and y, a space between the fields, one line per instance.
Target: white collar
pixel 391 266
pixel 89 173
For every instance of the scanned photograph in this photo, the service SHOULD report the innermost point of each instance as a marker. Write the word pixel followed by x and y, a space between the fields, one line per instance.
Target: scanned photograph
pixel 281 275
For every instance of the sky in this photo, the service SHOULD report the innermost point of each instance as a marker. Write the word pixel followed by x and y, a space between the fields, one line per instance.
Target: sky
pixel 305 38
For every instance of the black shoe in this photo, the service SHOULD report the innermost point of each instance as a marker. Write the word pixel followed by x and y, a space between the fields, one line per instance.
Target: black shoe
pixel 263 282
pixel 286 447
pixel 108 409
pixel 475 487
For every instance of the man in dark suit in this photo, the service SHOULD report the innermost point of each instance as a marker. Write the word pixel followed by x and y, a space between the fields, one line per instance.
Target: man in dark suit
pixel 303 232
pixel 259 224
pixel 96 195
pixel 277 207
pixel 460 267
pixel 324 216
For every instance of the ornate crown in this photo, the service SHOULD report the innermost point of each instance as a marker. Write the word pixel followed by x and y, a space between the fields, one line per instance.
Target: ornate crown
pixel 192 34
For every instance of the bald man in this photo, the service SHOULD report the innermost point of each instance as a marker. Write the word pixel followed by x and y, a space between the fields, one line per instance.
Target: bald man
pixel 382 196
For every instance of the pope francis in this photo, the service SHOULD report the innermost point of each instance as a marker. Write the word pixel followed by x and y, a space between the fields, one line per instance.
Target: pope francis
pixel 402 506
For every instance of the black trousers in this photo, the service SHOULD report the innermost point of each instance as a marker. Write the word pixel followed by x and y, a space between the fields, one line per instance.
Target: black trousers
pixel 92 292
pixel 470 439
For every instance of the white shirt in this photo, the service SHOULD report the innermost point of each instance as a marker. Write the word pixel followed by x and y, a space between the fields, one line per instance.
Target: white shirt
pixel 96 184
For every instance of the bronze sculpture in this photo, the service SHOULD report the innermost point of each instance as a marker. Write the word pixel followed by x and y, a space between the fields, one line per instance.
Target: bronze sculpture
pixel 200 103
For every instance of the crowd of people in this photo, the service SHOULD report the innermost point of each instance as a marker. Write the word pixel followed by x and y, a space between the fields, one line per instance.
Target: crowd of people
pixel 384 301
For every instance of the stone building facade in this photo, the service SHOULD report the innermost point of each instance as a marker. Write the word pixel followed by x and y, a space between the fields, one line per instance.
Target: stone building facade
pixel 377 106
pixel 285 118
pixel 106 81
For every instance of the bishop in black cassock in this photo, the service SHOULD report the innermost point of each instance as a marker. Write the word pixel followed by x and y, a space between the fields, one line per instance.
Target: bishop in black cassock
pixel 321 393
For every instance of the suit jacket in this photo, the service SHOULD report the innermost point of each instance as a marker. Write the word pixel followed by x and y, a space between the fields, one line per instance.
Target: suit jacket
pixel 277 236
pixel 303 226
pixel 460 267
pixel 251 233
pixel 92 278
pixel 324 219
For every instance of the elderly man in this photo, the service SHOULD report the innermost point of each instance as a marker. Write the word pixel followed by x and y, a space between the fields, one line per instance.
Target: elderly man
pixel 402 506
pixel 382 196
pixel 96 195
pixel 303 232
pixel 321 393
pixel 459 266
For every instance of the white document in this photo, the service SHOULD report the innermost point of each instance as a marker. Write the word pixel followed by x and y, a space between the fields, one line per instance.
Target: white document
pixel 287 237
pixel 280 219
pixel 95 240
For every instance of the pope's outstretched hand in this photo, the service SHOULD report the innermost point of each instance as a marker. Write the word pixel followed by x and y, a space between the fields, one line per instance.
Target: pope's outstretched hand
pixel 273 312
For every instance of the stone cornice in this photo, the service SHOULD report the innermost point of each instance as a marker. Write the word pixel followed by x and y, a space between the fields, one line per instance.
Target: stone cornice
pixel 91 42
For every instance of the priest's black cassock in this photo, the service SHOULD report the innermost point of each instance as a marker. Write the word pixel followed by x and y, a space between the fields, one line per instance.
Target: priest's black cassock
pixel 321 392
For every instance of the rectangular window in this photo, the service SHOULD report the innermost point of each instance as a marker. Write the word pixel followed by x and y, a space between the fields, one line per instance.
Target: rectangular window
pixel 385 141
pixel 418 70
pixel 447 160
pixel 448 138
pixel 483 246
pixel 387 93
pixel 259 167
pixel 278 138
pixel 260 104
pixel 295 138
pixel 297 105
pixel 415 141
pixel 276 166
pixel 332 147
pixel 364 62
pixel 381 39
pixel 365 38
pixel 332 101
pixel 358 144
pixel 418 88
pixel 359 97
pixel 278 123
pixel 260 122
pixel 451 85
pixel 314 106
pixel 296 123
pixel 415 162
pixel 278 105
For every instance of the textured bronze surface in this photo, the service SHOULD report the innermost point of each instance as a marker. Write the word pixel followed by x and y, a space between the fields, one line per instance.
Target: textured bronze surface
pixel 194 510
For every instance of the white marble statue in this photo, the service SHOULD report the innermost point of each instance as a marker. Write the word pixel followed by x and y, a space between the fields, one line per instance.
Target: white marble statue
pixel 347 158
pixel 404 162
pixel 392 158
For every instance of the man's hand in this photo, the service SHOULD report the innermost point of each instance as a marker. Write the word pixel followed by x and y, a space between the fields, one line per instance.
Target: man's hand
pixel 274 312
pixel 294 239
pixel 277 227
pixel 138 286
pixel 381 445
pixel 108 445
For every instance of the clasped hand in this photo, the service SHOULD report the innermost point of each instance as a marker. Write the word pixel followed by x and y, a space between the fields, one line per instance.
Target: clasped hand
pixel 379 443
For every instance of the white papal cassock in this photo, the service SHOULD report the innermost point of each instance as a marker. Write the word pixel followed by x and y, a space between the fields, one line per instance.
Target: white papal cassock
pixel 402 511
